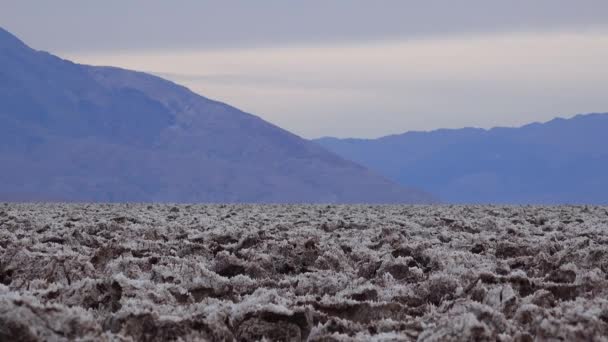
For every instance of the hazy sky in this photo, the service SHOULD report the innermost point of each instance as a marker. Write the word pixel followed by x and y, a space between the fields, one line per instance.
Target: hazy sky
pixel 347 68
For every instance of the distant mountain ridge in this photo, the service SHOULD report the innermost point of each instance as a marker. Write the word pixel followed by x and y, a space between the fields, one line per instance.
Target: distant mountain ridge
pixel 73 132
pixel 557 162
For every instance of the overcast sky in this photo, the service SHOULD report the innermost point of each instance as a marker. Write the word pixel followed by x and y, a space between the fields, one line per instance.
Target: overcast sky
pixel 347 68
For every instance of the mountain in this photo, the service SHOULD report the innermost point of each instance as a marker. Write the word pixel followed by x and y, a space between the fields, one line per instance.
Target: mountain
pixel 557 162
pixel 71 132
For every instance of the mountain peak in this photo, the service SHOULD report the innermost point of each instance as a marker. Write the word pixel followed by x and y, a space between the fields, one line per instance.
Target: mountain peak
pixel 127 136
pixel 8 40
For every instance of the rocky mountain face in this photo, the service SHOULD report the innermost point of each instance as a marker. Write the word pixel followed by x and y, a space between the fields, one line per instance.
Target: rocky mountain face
pixel 556 162
pixel 72 132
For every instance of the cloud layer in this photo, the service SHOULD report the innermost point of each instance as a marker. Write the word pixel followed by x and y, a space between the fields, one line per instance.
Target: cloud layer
pixel 68 25
pixel 372 89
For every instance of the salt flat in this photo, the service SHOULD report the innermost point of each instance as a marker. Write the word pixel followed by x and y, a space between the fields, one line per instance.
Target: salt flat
pixel 248 272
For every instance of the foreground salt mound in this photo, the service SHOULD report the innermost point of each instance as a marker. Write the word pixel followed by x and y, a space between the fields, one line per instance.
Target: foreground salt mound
pixel 227 272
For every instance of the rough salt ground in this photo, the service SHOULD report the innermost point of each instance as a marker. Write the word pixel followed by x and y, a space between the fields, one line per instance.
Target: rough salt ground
pixel 229 272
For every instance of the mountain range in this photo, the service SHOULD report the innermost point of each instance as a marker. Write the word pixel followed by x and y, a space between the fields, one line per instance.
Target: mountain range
pixel 72 132
pixel 563 161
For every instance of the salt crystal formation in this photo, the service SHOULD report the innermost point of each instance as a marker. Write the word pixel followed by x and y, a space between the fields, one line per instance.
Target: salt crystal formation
pixel 343 273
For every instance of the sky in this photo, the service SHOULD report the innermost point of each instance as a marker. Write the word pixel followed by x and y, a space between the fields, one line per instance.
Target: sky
pixel 347 68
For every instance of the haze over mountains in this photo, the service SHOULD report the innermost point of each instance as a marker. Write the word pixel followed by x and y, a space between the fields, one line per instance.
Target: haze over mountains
pixel 563 161
pixel 74 132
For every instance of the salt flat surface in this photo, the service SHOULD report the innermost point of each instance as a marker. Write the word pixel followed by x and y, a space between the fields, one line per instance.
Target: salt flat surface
pixel 236 272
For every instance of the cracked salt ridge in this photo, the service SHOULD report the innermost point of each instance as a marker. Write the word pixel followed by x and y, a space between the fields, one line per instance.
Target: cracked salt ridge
pixel 230 272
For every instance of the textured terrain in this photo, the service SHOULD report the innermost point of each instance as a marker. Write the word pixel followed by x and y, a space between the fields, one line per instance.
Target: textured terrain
pixel 227 272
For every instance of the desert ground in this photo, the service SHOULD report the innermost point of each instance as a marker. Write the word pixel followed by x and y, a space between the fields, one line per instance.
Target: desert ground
pixel 318 272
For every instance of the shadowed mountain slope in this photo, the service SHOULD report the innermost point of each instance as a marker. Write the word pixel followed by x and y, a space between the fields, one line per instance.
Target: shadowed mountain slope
pixel 560 161
pixel 73 132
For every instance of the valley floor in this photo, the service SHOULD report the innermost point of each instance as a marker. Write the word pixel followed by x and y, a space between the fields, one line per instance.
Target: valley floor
pixel 245 272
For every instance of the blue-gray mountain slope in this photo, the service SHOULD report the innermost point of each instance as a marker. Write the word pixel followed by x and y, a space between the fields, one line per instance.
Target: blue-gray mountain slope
pixel 73 132
pixel 560 161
